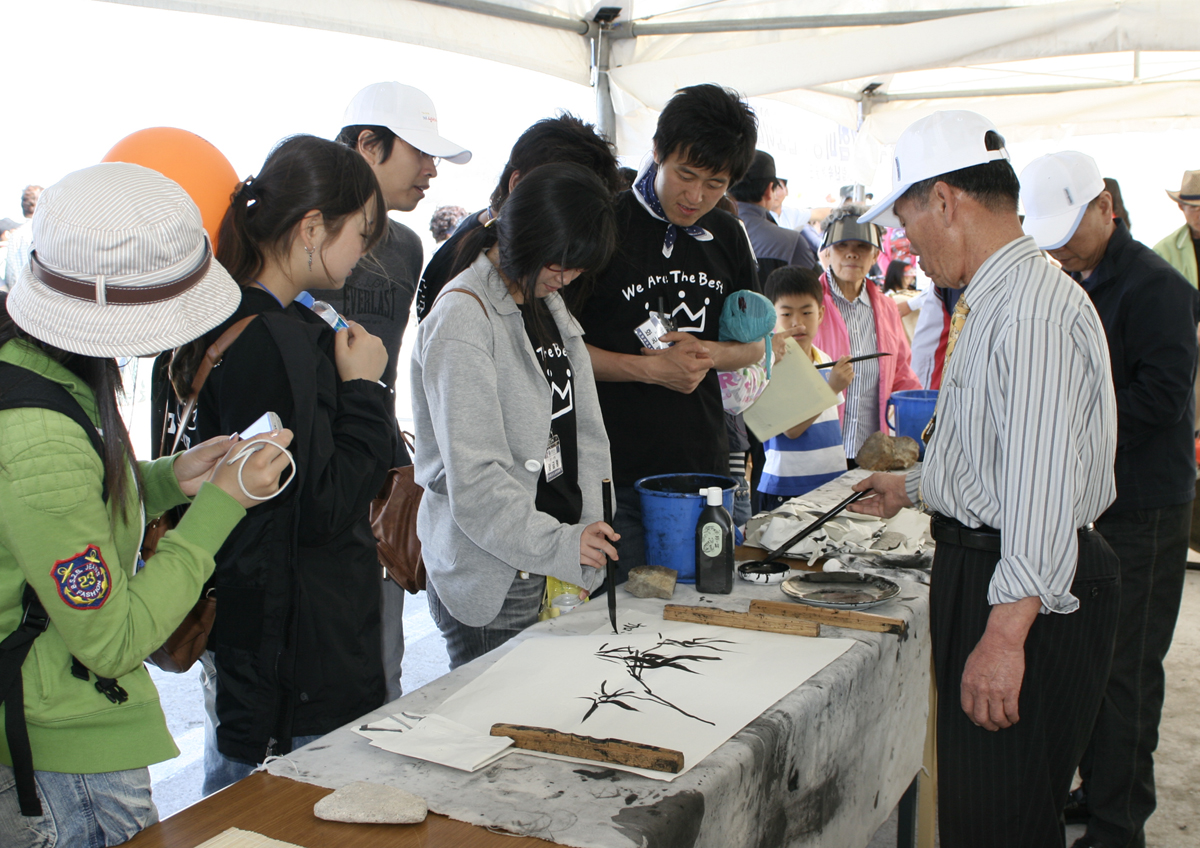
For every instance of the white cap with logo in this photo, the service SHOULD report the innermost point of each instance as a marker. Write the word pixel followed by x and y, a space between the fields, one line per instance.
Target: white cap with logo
pixel 935 145
pixel 1055 192
pixel 409 113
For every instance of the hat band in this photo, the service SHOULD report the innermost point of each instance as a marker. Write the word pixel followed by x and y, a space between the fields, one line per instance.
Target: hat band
pixel 1183 196
pixel 126 295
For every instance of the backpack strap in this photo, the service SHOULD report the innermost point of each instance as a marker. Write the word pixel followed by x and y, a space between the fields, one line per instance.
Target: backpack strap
pixel 13 651
pixel 212 357
pixel 464 291
pixel 21 388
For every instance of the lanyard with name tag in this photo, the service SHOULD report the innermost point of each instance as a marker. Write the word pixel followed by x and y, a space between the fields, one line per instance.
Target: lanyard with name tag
pixel 554 458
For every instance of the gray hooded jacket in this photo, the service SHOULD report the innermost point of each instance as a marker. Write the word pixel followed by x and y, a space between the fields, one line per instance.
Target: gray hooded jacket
pixel 482 408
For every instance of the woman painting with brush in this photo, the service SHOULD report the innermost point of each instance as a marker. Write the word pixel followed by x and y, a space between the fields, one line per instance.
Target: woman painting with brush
pixel 510 444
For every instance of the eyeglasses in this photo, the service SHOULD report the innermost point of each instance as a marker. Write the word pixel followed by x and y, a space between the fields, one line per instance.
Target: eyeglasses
pixel 437 160
pixel 781 181
pixel 560 270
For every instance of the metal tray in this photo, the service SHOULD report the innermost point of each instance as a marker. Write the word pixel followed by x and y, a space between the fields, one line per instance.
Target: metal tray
pixel 844 590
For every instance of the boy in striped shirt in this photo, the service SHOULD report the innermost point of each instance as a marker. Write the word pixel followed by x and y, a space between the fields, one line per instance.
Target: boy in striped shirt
pixel 811 453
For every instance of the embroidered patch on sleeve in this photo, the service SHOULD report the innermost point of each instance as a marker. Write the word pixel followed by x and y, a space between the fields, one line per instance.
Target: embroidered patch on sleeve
pixel 83 581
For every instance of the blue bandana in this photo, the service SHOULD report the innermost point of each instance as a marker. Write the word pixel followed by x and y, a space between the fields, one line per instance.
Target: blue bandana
pixel 643 190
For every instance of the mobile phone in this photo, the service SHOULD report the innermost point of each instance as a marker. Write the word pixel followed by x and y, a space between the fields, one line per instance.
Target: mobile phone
pixel 268 423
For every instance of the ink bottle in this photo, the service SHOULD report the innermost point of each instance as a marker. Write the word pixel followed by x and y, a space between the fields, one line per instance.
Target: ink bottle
pixel 714 547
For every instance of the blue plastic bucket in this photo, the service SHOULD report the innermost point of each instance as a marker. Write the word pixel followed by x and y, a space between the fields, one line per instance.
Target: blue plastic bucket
pixel 908 413
pixel 671 505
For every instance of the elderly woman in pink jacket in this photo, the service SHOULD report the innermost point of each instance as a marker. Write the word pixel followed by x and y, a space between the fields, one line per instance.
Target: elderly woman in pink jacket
pixel 860 319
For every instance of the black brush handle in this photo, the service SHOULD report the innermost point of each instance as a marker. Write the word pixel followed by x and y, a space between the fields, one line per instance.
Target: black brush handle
pixel 816 524
pixel 610 567
pixel 853 359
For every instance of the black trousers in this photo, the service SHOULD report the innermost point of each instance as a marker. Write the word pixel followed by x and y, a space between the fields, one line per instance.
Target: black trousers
pixel 1118 766
pixel 1007 788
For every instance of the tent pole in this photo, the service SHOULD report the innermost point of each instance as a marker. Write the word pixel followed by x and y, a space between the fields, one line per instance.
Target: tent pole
pixel 864 109
pixel 606 119
pixel 872 19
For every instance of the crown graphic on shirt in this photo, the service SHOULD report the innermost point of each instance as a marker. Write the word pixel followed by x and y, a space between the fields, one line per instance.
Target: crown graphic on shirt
pixel 697 318
pixel 566 394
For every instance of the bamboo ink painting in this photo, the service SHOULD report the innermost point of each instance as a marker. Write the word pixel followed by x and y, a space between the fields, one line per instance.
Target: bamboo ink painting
pixel 687 687
pixel 663 656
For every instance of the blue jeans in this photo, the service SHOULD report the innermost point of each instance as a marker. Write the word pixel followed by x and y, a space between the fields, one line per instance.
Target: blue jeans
pixel 78 810
pixel 464 643
pixel 741 502
pixel 219 770
pixel 770 503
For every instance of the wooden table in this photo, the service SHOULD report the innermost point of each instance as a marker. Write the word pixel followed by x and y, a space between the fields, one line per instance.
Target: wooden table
pixel 283 809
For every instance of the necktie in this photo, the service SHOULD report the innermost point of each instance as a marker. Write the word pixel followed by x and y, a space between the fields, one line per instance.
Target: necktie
pixel 957 319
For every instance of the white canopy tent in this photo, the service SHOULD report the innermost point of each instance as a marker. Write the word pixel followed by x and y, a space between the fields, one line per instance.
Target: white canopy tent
pixel 1036 67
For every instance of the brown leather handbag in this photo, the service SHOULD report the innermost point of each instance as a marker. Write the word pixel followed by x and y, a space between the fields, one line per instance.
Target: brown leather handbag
pixel 394 514
pixel 394 523
pixel 187 643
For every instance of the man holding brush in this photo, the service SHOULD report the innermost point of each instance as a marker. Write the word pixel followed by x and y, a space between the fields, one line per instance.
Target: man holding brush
pixel 652 320
pixel 1019 463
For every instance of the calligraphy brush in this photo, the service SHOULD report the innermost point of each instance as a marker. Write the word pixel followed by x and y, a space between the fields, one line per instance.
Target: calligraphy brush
pixel 815 525
pixel 610 567
pixel 853 359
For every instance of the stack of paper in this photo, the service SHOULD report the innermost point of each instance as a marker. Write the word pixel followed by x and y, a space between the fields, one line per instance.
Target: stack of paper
pixel 436 740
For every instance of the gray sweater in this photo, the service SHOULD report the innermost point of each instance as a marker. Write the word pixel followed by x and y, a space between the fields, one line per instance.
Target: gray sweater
pixel 481 408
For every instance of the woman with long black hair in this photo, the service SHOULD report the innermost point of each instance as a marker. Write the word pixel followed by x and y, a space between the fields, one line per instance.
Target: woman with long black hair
pixel 122 268
pixel 295 651
pixel 510 446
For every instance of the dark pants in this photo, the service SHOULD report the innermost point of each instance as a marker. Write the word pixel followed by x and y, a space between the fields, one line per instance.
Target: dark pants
pixel 1007 788
pixel 1118 766
pixel 627 521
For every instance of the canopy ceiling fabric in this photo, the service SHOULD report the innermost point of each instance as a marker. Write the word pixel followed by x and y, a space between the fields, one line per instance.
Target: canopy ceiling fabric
pixel 1036 67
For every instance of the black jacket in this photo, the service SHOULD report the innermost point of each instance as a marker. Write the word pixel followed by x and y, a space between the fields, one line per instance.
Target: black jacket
pixel 297 634
pixel 1149 312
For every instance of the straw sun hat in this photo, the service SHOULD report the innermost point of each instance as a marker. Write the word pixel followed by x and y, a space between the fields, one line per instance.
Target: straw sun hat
pixel 1189 192
pixel 121 267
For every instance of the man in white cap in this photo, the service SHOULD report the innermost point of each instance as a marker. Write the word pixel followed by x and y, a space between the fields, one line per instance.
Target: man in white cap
pixel 395 128
pixel 1182 247
pixel 1150 314
pixel 1019 463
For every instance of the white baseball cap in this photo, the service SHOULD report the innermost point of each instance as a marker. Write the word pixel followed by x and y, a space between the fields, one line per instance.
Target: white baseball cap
pixel 1055 191
pixel 936 145
pixel 409 113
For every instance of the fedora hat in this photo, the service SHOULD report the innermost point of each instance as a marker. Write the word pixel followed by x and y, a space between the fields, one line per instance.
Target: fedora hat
pixel 1189 191
pixel 121 266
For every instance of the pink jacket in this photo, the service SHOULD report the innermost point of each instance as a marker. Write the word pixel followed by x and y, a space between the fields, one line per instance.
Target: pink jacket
pixel 895 372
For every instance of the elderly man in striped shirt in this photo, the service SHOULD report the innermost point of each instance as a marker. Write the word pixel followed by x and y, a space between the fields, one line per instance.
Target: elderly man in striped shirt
pixel 1019 464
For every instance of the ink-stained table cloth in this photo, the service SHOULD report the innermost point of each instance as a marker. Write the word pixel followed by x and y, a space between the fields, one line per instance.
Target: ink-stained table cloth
pixel 824 766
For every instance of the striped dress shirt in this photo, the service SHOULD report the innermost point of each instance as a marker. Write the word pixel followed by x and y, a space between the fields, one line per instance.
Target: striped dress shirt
pixel 1026 431
pixel 861 416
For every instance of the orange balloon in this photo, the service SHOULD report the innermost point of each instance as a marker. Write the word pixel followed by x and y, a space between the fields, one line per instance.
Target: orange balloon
pixel 202 170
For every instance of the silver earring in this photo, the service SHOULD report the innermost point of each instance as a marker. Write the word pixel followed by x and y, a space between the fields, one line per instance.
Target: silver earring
pixel 309 251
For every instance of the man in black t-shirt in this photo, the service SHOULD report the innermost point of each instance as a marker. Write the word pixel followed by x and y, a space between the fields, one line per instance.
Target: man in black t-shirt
pixel 679 257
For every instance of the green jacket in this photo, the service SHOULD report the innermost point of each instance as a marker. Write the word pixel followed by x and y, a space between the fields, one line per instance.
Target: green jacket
pixel 1177 249
pixel 55 533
